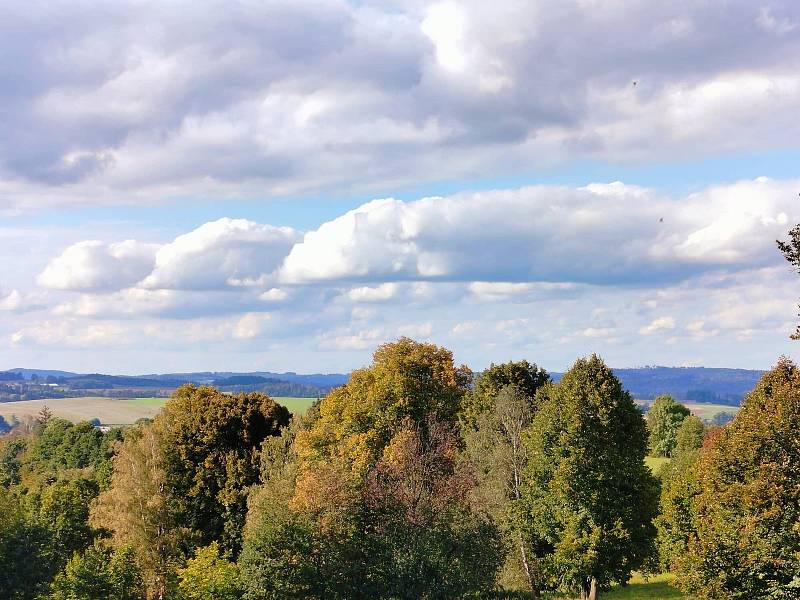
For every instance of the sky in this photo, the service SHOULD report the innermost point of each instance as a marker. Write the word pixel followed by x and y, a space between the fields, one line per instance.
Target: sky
pixel 284 186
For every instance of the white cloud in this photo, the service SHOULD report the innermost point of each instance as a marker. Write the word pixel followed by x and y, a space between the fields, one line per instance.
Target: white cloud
pixel 658 325
pixel 507 239
pixel 95 266
pixel 219 254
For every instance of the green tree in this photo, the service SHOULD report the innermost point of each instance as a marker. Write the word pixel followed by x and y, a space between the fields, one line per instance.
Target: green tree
pixel 663 421
pixel 747 543
pixel 139 511
pixel 588 500
pixel 676 522
pixel 690 435
pixel 791 250
pixel 11 451
pixel 99 573
pixel 209 576
pixel 525 376
pixel 495 446
pixel 211 445
pixel 25 568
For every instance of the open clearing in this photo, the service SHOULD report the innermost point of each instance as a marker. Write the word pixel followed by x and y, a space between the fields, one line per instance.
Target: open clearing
pixel 113 411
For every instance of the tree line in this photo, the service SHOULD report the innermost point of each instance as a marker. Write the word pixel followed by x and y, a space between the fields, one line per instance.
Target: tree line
pixel 416 479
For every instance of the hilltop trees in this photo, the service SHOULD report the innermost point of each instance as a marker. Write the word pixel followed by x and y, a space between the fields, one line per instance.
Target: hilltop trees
pixel 747 543
pixel 588 500
pixel 663 421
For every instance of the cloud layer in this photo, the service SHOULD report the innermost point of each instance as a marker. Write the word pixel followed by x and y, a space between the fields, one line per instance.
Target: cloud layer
pixel 604 266
pixel 112 103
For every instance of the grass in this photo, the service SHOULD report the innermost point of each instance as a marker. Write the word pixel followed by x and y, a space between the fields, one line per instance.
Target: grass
pixel 657 587
pixel 297 406
pixel 113 411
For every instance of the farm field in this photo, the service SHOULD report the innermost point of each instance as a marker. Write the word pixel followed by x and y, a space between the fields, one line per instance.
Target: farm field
pixel 112 411
pixel 700 409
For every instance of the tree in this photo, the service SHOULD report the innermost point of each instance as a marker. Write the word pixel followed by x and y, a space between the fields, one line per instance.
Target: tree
pixel 525 376
pixel 791 250
pixel 407 380
pixel 496 448
pixel 139 511
pixel 663 421
pixel 211 445
pixel 588 500
pixel 690 435
pixel 722 418
pixel 676 522
pixel 371 499
pixel 100 573
pixel 209 576
pixel 747 543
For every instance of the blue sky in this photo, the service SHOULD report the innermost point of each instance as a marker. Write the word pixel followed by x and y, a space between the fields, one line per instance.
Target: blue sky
pixel 285 186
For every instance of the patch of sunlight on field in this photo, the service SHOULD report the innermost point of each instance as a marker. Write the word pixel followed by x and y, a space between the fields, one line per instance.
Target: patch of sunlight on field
pixel 656 587
pixel 297 406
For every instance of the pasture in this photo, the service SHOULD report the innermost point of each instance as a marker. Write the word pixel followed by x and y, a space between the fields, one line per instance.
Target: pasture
pixel 113 411
pixel 700 409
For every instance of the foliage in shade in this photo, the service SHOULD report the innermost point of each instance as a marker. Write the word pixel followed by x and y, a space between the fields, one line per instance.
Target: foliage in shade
pixel 747 543
pixel 588 500
pixel 663 421
pixel 211 445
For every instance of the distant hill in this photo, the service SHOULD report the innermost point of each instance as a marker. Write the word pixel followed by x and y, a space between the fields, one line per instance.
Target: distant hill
pixel 689 384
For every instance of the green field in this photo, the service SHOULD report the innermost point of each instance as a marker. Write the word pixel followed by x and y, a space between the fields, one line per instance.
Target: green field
pixel 656 587
pixel 113 411
pixel 655 463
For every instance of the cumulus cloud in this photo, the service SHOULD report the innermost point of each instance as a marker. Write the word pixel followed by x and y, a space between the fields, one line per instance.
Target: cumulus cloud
pixel 599 234
pixel 219 254
pixel 658 325
pixel 117 104
pixel 96 266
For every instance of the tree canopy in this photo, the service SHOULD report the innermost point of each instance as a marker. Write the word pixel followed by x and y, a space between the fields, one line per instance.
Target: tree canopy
pixel 747 541
pixel 588 500
pixel 663 421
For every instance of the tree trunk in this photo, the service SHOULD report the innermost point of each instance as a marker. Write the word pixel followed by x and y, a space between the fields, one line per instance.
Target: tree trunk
pixel 594 590
pixel 527 567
